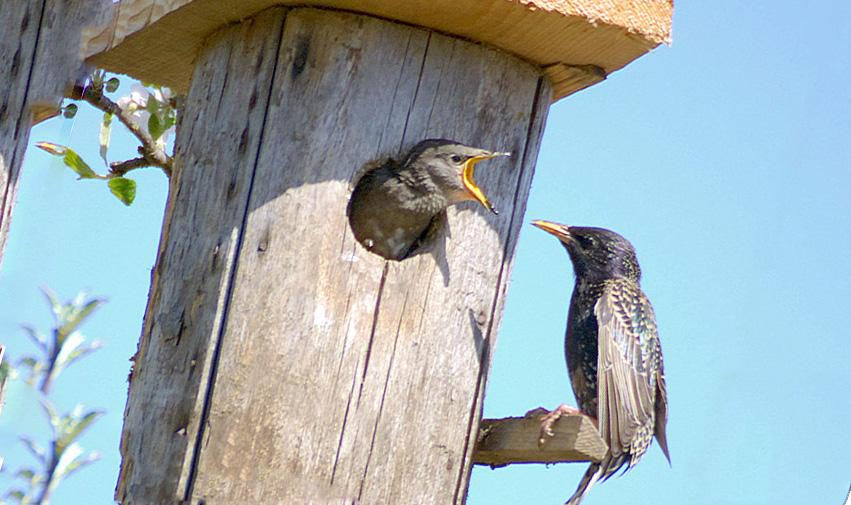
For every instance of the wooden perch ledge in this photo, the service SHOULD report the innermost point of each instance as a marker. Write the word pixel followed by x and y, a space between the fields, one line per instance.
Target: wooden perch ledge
pixel 514 440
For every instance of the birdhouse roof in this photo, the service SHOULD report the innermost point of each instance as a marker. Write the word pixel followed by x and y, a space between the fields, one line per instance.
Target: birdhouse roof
pixel 576 42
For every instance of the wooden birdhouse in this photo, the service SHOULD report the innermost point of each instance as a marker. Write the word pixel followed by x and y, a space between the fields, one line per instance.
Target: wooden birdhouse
pixel 281 361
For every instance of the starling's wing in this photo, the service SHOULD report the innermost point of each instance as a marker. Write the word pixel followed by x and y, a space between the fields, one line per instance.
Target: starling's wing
pixel 661 407
pixel 627 364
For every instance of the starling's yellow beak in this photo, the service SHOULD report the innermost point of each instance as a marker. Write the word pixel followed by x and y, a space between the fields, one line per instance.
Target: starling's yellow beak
pixel 470 184
pixel 560 231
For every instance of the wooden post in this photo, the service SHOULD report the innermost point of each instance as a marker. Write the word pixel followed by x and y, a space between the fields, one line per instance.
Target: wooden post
pixel 280 361
pixel 40 57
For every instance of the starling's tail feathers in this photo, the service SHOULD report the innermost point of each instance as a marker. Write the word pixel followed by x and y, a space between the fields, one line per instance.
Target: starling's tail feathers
pixel 662 439
pixel 592 475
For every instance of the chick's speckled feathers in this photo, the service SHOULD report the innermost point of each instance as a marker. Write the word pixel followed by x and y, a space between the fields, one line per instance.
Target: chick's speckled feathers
pixel 612 347
pixel 396 206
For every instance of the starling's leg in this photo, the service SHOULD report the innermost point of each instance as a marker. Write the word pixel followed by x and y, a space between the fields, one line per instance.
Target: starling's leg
pixel 549 418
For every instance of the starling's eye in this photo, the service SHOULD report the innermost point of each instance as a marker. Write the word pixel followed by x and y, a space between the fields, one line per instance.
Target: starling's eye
pixel 455 158
pixel 585 242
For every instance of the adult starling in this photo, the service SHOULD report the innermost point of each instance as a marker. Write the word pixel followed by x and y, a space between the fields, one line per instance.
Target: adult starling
pixel 394 207
pixel 613 353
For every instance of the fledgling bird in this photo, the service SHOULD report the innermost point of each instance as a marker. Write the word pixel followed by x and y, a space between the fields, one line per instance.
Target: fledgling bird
pixel 394 206
pixel 614 357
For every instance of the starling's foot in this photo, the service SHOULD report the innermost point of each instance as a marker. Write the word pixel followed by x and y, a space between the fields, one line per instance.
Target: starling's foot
pixel 549 418
pixel 536 413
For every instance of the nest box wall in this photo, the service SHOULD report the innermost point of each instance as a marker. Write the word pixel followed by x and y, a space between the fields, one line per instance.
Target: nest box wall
pixel 281 362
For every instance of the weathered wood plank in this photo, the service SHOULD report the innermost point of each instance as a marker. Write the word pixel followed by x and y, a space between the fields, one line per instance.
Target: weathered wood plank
pixel 39 59
pixel 338 102
pixel 333 374
pixel 358 349
pixel 439 313
pixel 220 133
pixel 514 440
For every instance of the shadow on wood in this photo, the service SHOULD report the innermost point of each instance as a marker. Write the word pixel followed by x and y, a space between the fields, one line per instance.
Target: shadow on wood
pixel 514 440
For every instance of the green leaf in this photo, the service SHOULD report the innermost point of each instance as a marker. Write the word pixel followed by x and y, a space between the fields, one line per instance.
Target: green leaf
pixel 55 305
pixel 80 352
pixel 70 110
pixel 16 494
pixel 112 85
pixel 34 448
pixel 37 338
pixel 77 164
pixel 124 189
pixel 152 105
pixel 97 79
pixel 25 473
pixel 71 315
pixel 5 372
pixel 71 350
pixel 28 361
pixel 170 116
pixel 71 158
pixel 74 314
pixel 105 131
pixel 50 147
pixel 73 425
pixel 155 127
pixel 69 465
pixel 52 416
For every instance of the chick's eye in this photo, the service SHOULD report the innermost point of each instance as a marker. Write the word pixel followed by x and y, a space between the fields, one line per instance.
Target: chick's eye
pixel 455 158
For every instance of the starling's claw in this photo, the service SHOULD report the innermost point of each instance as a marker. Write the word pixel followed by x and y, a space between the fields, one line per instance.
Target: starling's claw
pixel 534 413
pixel 549 419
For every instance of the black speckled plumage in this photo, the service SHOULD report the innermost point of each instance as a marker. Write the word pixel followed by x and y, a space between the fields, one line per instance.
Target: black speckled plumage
pixel 612 348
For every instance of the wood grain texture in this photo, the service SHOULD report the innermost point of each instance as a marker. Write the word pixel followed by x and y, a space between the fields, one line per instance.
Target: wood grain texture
pixel 220 133
pixel 514 440
pixel 323 373
pixel 158 39
pixel 39 59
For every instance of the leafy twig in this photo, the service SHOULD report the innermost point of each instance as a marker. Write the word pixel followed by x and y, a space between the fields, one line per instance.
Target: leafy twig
pixel 154 102
pixel 152 153
pixel 65 344
pixel 63 456
pixel 60 460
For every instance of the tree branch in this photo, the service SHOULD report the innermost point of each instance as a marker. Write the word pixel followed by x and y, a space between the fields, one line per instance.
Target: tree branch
pixel 151 153
pixel 120 168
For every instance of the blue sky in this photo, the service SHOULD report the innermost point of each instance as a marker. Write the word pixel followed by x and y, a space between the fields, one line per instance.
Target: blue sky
pixel 725 159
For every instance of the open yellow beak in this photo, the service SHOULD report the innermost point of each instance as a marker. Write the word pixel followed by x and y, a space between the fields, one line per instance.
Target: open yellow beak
pixel 470 184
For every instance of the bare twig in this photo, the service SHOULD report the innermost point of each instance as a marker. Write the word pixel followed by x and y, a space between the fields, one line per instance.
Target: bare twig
pixel 152 154
pixel 120 168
